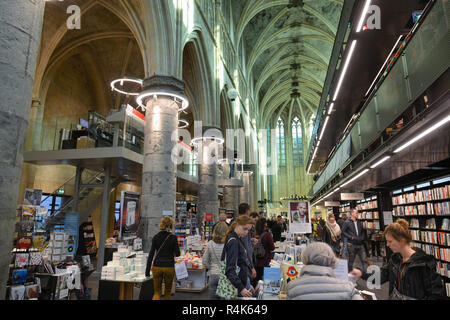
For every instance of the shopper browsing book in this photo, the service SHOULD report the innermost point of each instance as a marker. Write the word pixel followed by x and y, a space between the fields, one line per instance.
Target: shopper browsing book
pixel 410 271
pixel 211 258
pixel 235 257
pixel 166 246
pixel 317 280
pixel 266 243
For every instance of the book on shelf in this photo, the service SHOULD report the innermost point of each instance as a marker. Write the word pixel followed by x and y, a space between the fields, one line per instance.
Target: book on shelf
pixel 430 224
pixel 441 192
pixel 445 224
pixel 414 223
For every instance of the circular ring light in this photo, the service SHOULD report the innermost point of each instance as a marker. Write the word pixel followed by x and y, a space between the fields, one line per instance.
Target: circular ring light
pixel 200 139
pixel 142 96
pixel 182 124
pixel 225 160
pixel 121 81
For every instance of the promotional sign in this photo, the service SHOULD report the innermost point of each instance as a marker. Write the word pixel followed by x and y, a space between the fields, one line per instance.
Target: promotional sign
pixel 129 215
pixel 299 217
pixel 71 227
pixel 352 196
pixel 332 203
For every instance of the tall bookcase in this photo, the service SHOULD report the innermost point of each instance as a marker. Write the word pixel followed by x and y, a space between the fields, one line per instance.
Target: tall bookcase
pixel 426 206
pixel 369 213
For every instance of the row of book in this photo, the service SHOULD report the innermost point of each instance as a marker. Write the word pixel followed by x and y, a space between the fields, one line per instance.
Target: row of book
pixel 442 238
pixel 367 205
pixel 443 269
pixel 409 210
pixel 369 215
pixel 344 209
pixel 439 208
pixel 371 225
pixel 430 224
pixel 440 193
pixel 439 253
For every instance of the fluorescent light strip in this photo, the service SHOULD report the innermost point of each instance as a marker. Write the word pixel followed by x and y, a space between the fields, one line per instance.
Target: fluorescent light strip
pixel 363 15
pixel 344 70
pixel 380 162
pixel 384 64
pixel 423 134
pixel 356 177
pixel 324 126
pixel 330 108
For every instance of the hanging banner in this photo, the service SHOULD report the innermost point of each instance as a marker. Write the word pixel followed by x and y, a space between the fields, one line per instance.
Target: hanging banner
pixel 129 215
pixel 299 217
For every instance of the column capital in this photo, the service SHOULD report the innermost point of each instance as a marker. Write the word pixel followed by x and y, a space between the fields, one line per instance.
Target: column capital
pixel 166 84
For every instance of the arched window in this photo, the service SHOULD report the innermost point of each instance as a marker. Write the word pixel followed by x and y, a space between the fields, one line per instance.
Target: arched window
pixel 280 143
pixel 297 142
pixel 311 125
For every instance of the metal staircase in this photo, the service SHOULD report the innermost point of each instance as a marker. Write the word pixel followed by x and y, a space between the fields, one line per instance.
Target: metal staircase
pixel 89 197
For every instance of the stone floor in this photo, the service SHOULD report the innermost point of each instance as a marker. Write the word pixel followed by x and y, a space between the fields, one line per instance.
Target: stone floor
pixel 382 293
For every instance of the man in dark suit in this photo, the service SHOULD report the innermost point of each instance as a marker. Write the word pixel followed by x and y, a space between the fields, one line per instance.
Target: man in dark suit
pixel 355 233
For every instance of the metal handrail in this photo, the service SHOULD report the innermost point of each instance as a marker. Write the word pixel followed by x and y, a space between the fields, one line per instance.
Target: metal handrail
pixel 54 192
pixel 71 200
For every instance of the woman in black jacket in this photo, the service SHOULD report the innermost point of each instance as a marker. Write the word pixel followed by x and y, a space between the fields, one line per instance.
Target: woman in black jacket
pixel 166 246
pixel 235 255
pixel 410 271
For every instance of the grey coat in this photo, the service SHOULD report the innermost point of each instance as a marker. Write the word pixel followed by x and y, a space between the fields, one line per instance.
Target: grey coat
pixel 319 283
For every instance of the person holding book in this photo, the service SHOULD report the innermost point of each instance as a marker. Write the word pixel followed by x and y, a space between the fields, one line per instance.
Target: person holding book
pixel 211 258
pixel 317 280
pixel 165 244
pixel 235 255
pixel 265 240
pixel 410 271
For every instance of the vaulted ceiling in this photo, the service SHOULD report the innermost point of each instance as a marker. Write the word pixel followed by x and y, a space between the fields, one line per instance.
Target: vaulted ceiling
pixel 288 45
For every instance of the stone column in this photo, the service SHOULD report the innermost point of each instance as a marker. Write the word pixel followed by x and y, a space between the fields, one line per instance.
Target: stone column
pixel 230 199
pixel 20 34
pixel 159 171
pixel 207 192
pixel 244 192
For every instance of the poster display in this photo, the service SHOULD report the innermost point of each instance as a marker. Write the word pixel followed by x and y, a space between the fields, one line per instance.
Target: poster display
pixel 71 227
pixel 32 197
pixel 129 215
pixel 299 217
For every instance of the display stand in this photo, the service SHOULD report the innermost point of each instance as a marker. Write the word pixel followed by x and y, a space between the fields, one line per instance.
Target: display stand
pixel 196 281
pixel 125 291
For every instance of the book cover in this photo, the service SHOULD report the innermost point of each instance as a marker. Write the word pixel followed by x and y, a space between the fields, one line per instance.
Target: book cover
pixel 19 276
pixel 21 260
pixel 17 293
pixel 35 258
pixel 32 197
pixel 32 292
pixel 272 280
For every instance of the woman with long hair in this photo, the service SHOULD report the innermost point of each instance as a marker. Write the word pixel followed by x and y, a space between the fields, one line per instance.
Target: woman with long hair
pixel 166 246
pixel 235 255
pixel 211 258
pixel 332 235
pixel 410 271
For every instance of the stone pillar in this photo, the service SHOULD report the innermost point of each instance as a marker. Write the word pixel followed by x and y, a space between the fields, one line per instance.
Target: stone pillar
pixel 20 34
pixel 159 171
pixel 244 192
pixel 207 192
pixel 230 199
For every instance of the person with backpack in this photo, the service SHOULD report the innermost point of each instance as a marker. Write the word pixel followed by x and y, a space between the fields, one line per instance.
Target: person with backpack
pixel 211 258
pixel 165 244
pixel 263 248
pixel 236 271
